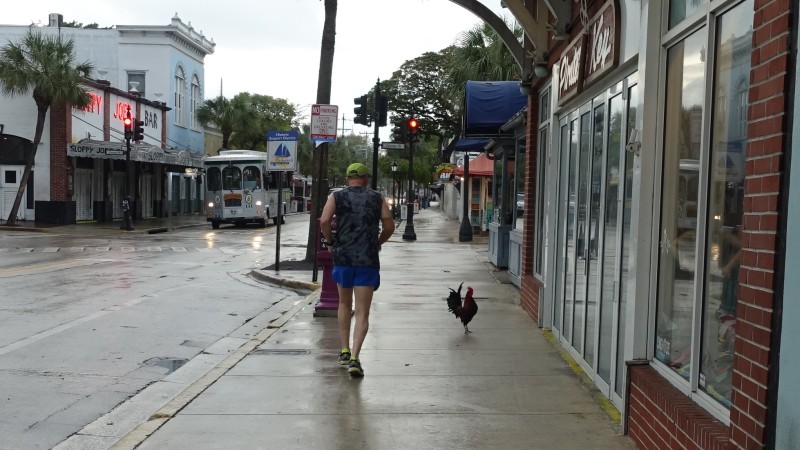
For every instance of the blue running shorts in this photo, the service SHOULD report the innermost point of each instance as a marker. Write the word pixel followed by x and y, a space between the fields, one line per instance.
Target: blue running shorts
pixel 349 276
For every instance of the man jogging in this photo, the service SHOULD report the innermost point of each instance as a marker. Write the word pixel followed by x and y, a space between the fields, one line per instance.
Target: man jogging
pixel 356 266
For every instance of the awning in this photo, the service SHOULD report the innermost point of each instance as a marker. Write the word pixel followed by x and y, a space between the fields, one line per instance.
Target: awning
pixel 465 145
pixel 481 166
pixel 489 105
pixel 139 152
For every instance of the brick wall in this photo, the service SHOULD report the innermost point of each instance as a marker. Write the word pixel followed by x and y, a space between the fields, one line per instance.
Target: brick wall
pixel 661 418
pixel 529 288
pixel 60 133
pixel 763 171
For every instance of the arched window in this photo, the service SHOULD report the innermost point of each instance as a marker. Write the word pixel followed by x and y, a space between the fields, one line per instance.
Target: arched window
pixel 194 101
pixel 180 88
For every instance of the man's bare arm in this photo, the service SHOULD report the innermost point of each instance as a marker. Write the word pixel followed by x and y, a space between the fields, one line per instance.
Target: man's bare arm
pixel 326 218
pixel 387 223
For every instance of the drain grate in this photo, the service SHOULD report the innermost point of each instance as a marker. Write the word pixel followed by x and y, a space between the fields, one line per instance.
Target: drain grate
pixel 275 351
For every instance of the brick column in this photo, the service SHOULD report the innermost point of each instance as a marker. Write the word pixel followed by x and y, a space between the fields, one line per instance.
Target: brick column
pixel 767 122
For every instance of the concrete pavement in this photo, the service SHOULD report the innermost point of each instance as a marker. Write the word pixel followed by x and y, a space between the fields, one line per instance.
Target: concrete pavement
pixel 426 384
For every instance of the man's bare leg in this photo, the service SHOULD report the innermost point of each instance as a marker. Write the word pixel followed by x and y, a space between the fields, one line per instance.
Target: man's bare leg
pixel 363 303
pixel 344 314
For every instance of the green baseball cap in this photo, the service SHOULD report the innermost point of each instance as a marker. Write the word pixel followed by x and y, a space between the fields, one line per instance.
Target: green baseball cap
pixel 357 170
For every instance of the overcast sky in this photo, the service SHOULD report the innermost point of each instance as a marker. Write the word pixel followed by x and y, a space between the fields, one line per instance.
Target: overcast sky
pixel 272 47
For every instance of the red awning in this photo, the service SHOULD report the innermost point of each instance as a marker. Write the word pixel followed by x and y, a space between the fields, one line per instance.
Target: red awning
pixel 481 166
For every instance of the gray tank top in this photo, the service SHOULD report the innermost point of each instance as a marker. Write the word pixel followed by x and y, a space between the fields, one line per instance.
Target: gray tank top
pixel 358 216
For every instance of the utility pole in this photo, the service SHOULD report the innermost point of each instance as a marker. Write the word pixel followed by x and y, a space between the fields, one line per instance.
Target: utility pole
pixel 343 129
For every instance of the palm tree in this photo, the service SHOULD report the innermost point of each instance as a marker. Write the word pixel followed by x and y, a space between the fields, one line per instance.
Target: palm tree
pixel 324 81
pixel 222 113
pixel 46 65
pixel 480 55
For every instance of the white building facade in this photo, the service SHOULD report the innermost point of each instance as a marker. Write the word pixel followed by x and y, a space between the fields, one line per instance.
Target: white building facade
pixel 158 72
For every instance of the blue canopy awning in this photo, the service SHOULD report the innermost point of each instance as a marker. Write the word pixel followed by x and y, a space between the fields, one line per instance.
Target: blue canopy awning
pixel 466 145
pixel 490 105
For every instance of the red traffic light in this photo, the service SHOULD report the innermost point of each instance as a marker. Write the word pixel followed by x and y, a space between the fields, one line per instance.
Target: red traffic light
pixel 413 124
pixel 127 121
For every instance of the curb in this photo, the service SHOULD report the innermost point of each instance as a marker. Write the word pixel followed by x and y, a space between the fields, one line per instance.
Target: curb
pixel 277 280
pixel 139 434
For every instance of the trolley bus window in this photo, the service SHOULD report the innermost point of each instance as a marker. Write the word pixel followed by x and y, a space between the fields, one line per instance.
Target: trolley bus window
pixel 214 179
pixel 252 178
pixel 231 178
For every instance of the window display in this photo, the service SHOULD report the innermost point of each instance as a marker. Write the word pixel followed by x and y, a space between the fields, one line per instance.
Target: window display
pixel 725 197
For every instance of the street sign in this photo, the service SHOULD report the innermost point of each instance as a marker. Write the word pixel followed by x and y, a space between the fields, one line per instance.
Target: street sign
pixel 282 151
pixel 324 121
pixel 393 145
pixel 114 152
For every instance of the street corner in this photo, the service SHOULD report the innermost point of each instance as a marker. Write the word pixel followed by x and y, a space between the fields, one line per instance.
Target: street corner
pixel 276 279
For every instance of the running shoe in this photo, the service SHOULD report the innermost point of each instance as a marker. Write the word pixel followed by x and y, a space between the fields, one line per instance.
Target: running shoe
pixel 354 369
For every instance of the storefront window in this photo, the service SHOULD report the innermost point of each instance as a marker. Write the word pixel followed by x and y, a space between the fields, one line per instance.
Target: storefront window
pixel 519 181
pixel 681 9
pixel 541 221
pixel 678 236
pixel 696 170
pixel 725 197
pixel 543 147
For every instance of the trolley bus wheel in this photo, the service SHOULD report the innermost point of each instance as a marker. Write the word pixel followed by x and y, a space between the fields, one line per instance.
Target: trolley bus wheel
pixel 215 225
pixel 262 223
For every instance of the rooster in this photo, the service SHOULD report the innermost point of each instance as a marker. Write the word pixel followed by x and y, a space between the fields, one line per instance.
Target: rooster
pixel 464 311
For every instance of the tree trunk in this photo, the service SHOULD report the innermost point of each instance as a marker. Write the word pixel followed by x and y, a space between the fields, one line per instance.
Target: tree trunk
pixel 23 183
pixel 324 80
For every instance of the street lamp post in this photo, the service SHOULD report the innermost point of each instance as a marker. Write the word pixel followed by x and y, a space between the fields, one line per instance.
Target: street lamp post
pixel 465 232
pixel 394 183
pixel 409 234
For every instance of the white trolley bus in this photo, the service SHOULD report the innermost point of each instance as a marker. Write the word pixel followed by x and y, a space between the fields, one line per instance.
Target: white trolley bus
pixel 240 189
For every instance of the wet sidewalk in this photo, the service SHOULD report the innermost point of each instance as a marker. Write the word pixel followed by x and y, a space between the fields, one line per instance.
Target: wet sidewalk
pixel 427 384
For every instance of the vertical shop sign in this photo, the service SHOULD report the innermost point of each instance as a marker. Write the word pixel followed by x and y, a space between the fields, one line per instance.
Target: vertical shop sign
pixel 570 70
pixel 602 42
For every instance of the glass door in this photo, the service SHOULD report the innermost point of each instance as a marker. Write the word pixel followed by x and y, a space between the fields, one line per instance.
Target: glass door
pixel 594 197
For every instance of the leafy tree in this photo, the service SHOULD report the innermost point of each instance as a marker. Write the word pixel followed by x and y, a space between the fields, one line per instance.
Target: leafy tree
pixel 76 24
pixel 46 65
pixel 324 81
pixel 420 88
pixel 222 113
pixel 263 114
pixel 305 150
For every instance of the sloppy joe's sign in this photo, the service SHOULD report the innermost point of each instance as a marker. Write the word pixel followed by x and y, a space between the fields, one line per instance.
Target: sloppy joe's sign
pixel 590 55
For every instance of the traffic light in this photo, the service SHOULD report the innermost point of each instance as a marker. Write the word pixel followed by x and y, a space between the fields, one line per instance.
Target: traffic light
pixel 399 131
pixel 413 130
pixel 383 110
pixel 362 117
pixel 138 130
pixel 127 122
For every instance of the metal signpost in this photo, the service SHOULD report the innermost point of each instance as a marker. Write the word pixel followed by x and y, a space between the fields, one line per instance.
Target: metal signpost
pixel 282 158
pixel 324 120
